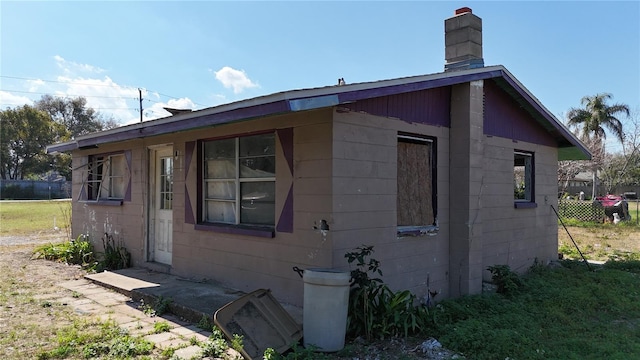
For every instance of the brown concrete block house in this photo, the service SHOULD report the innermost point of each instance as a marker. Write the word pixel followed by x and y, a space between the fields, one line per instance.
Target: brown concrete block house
pixel 423 168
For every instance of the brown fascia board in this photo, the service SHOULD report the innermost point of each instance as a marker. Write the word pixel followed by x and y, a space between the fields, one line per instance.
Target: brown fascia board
pixel 315 98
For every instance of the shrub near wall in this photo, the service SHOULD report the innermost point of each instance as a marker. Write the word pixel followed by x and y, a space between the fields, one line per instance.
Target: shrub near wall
pixel 581 210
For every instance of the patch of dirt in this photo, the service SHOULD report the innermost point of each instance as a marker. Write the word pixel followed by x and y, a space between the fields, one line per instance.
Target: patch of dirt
pixel 602 242
pixel 29 318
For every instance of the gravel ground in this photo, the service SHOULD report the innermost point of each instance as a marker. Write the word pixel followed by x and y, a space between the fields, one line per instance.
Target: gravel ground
pixel 31 239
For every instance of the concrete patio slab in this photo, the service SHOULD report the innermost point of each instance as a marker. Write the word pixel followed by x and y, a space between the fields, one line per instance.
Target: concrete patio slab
pixel 189 299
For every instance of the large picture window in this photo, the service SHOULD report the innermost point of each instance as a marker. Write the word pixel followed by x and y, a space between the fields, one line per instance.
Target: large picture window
pixel 416 206
pixel 107 177
pixel 239 180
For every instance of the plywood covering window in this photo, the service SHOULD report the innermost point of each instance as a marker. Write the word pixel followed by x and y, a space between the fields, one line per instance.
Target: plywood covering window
pixel 107 177
pixel 239 180
pixel 416 207
pixel 523 177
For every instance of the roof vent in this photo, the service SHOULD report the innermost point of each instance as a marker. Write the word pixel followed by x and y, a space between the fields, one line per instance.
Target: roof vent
pixel 177 111
pixel 463 41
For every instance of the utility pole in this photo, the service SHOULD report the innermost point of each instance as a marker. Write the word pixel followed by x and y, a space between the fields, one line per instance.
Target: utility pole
pixel 140 98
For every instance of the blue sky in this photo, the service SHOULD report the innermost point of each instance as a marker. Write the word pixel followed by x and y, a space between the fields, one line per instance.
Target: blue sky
pixel 205 53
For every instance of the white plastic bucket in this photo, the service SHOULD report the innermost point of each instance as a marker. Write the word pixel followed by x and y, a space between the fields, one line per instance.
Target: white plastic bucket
pixel 326 303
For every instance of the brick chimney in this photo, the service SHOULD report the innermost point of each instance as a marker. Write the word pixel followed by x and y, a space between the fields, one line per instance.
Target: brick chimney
pixel 463 41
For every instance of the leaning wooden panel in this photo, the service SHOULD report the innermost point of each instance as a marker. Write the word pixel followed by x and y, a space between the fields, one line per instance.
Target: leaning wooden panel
pixel 262 323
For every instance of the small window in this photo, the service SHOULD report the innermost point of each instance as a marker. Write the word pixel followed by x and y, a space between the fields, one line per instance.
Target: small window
pixel 107 177
pixel 523 176
pixel 239 180
pixel 416 202
pixel 166 183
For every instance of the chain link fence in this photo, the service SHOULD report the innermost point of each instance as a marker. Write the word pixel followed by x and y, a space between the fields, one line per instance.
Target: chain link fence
pixel 591 211
pixel 34 189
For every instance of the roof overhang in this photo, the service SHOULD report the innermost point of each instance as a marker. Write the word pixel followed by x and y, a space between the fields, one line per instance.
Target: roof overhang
pixel 570 148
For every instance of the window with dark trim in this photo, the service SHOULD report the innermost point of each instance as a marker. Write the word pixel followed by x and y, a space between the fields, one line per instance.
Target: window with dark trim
pixel 107 177
pixel 523 177
pixel 238 180
pixel 416 202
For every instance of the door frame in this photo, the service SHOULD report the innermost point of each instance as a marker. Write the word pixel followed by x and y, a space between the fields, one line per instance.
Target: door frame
pixel 152 152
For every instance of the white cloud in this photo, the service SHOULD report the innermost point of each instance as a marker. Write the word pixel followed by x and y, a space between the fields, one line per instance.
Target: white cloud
pixel 10 100
pixel 234 79
pixel 102 93
pixel 35 85
pixel 72 67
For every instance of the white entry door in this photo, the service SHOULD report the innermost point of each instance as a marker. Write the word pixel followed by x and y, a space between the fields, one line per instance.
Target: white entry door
pixel 161 226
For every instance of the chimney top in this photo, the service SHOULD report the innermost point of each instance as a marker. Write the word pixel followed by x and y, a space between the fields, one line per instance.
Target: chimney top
pixel 463 41
pixel 463 10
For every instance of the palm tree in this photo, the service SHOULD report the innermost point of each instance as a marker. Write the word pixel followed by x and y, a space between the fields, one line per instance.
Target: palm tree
pixel 594 118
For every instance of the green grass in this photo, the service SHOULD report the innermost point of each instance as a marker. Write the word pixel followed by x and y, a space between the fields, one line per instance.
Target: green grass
pixel 562 313
pixel 33 217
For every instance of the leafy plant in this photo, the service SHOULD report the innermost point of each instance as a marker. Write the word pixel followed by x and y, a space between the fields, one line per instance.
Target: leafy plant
pixel 374 308
pixel 115 256
pixel 236 342
pixel 215 345
pixel 161 326
pixel 76 252
pixel 146 309
pixel 364 293
pixel 508 282
pixel 271 354
pixel 169 352
pixel 161 305
pixel 205 323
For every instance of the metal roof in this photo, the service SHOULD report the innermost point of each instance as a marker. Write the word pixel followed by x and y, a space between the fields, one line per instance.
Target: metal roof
pixel 569 147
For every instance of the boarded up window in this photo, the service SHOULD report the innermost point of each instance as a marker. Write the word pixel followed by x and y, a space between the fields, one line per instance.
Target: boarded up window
pixel 415 182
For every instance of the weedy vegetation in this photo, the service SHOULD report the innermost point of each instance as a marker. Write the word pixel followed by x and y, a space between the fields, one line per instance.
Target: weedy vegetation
pixel 561 312
pixel 88 340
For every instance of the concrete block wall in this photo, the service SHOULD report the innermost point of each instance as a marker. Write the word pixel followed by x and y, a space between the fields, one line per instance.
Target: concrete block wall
pixel 365 202
pixel 516 237
pixel 466 174
pixel 124 223
pixel 248 262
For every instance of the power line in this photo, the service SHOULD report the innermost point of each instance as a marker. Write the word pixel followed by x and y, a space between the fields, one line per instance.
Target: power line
pixel 86 84
pixel 94 108
pixel 66 82
pixel 65 95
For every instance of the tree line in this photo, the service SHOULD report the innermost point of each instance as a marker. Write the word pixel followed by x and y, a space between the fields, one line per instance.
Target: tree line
pixel 26 131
